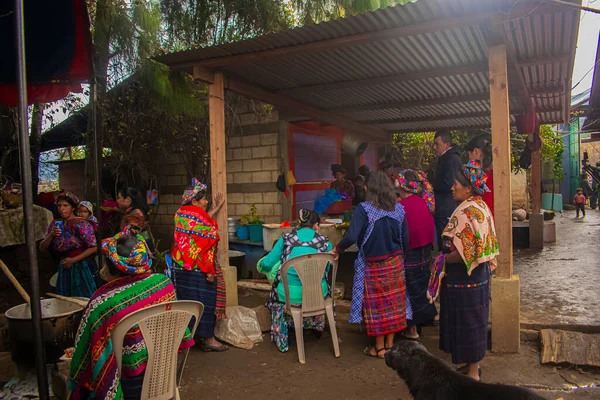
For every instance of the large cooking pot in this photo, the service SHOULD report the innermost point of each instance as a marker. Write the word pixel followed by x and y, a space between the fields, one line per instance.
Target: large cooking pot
pixel 60 320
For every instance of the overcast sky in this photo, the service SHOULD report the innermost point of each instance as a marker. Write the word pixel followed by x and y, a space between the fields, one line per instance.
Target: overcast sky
pixel 587 44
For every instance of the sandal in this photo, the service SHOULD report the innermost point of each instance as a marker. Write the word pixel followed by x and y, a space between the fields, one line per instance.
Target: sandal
pixel 367 352
pixel 216 349
pixel 463 370
pixel 405 336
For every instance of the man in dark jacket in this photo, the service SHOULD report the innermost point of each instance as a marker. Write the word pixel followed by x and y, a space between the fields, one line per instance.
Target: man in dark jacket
pixel 447 166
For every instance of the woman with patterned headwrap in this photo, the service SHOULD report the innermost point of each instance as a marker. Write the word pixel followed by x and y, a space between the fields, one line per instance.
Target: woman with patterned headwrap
pixel 470 248
pixel 416 196
pixel 131 286
pixel 73 238
pixel 195 268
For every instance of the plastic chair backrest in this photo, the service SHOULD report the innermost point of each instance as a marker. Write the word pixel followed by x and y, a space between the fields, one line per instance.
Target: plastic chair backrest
pixel 163 326
pixel 310 269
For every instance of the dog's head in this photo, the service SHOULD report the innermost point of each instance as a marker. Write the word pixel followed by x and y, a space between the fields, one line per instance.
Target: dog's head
pixel 404 357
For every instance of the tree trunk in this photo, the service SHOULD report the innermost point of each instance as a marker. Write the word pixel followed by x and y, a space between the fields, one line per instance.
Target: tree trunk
pixel 97 94
pixel 35 138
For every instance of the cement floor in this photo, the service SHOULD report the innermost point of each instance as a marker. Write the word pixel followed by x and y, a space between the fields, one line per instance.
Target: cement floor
pixel 559 284
pixel 264 372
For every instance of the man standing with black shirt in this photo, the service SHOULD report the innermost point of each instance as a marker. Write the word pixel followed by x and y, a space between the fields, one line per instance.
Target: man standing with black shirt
pixel 447 166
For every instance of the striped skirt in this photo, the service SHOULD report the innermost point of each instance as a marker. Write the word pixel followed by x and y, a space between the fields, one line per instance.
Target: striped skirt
pixel 464 312
pixel 192 285
pixel 417 267
pixel 384 302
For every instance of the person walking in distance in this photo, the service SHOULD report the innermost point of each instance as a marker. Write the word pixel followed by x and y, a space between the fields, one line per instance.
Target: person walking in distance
pixel 448 165
pixel 579 201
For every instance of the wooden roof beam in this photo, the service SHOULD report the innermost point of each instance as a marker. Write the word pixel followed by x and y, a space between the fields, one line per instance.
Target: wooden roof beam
pixel 239 86
pixel 447 117
pixel 412 103
pixel 395 78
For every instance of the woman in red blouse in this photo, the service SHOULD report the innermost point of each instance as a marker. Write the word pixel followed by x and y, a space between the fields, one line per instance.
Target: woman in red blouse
pixel 480 149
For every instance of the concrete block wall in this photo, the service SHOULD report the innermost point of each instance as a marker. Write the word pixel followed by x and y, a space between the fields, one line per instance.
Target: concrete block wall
pixel 254 161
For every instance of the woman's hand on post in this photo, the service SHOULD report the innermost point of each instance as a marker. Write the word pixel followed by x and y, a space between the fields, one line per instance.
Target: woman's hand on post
pixel 336 254
pixel 218 200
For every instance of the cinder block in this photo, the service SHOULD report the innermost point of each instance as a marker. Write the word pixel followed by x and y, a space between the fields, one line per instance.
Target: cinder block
pixel 260 177
pixel 252 165
pixel 261 152
pixel 242 154
pixel 269 164
pixel 271 197
pixel 234 142
pixel 241 209
pixel 274 176
pixel 244 177
pixel 229 178
pixel 172 208
pixel 229 154
pixel 505 304
pixel 277 210
pixel 250 141
pixel 269 139
pixel 234 166
pixel 166 199
pixel 274 151
pixel 264 210
pixel 174 180
pixel 272 220
pixel 253 198
pixel 235 198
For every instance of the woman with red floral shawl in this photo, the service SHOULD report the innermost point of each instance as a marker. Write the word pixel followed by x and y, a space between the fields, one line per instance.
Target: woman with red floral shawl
pixel 195 269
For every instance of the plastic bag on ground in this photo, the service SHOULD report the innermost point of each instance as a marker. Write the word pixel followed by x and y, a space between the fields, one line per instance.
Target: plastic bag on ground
pixel 240 328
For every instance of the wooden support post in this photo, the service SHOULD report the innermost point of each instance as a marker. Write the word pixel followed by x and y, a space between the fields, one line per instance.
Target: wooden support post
pixel 505 286
pixel 536 182
pixel 501 157
pixel 218 176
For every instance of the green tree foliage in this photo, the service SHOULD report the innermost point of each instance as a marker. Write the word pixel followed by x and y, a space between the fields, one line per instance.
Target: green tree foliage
pixel 552 150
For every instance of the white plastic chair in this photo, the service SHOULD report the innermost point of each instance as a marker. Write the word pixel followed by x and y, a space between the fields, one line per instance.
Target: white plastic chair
pixel 163 326
pixel 310 269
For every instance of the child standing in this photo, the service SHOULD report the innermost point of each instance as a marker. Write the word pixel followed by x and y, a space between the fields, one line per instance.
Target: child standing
pixel 579 201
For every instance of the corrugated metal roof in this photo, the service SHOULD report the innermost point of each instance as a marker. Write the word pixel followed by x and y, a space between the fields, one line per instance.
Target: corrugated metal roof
pixel 543 37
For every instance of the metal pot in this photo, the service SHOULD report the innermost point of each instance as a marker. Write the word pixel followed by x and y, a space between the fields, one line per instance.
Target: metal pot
pixel 60 321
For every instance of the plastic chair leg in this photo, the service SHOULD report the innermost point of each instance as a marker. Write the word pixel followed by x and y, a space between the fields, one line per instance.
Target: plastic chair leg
pixel 333 329
pixel 299 328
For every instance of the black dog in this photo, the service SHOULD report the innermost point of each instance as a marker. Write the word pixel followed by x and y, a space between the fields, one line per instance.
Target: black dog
pixel 429 378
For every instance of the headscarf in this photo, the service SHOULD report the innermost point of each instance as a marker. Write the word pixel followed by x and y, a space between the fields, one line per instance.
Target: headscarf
pixel 335 168
pixel 87 205
pixel 67 195
pixel 420 187
pixel 137 262
pixel 189 194
pixel 474 173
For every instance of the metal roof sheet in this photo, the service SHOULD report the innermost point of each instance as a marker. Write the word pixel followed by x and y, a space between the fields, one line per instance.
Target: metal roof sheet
pixel 543 38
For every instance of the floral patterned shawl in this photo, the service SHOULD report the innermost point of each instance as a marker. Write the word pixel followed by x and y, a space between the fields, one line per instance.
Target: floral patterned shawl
pixel 196 240
pixel 472 232
pixel 77 234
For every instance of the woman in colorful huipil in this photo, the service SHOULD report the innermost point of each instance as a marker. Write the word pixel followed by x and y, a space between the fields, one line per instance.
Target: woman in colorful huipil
pixel 74 240
pixel 469 253
pixel 379 295
pixel 195 268
pixel 131 286
pixel 416 196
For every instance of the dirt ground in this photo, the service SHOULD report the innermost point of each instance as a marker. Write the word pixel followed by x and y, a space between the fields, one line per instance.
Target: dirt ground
pixel 559 284
pixel 264 372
